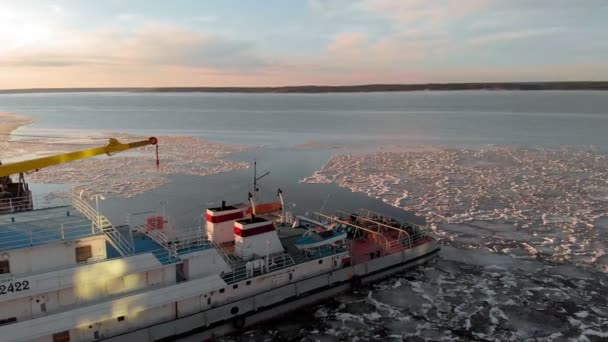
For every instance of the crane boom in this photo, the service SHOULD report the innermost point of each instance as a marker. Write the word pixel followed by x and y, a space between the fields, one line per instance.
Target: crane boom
pixel 114 146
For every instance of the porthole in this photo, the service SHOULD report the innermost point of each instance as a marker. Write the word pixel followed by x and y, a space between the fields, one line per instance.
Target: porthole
pixel 234 310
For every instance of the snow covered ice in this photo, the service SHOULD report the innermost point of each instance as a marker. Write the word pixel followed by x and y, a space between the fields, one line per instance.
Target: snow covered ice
pixel 524 234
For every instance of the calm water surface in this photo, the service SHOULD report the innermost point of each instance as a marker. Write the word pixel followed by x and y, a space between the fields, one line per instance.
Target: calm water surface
pixel 448 118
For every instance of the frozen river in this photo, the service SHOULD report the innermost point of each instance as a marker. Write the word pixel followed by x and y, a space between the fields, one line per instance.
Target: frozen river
pixel 514 183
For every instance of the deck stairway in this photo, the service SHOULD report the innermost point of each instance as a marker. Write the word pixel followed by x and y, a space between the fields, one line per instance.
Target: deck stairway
pixel 101 223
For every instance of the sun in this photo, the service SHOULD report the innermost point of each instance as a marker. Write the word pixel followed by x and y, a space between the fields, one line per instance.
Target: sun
pixel 20 30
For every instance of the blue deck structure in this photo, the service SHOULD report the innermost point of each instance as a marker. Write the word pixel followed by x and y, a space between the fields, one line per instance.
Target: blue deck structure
pixel 43 226
pixel 144 244
pixel 66 223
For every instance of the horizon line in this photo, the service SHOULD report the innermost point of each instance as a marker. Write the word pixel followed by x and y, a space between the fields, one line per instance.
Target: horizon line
pixel 316 88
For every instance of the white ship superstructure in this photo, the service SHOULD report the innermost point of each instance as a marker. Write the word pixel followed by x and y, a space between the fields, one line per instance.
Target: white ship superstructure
pixel 68 274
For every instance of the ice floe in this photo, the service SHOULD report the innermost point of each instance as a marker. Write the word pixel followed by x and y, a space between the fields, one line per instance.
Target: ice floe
pixel 543 202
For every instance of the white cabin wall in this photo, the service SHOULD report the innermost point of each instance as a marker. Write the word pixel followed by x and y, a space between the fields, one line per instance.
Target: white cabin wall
pixel 66 297
pixel 29 307
pixel 19 308
pixel 55 255
pixel 152 316
pixel 168 274
pixel 133 321
pixel 220 232
pixel 135 281
pixel 189 306
pixel 44 303
pixel 115 286
pixel 313 268
pixel 258 245
pixel 155 277
pixel 204 263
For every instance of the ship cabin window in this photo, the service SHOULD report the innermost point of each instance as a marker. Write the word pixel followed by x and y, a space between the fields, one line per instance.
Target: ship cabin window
pixel 235 286
pixel 120 318
pixel 209 301
pixel 8 320
pixel 63 336
pixel 248 282
pixel 320 261
pixel 83 253
pixel 4 267
pixel 221 290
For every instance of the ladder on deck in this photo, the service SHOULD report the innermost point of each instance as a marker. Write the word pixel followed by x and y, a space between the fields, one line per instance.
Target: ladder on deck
pixel 103 225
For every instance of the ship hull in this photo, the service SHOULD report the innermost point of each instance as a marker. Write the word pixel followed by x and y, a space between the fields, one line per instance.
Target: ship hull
pixel 278 301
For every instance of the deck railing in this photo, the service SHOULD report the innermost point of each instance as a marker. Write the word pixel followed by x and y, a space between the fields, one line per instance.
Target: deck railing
pixel 172 239
pixel 15 204
pixel 28 203
pixel 123 245
pixel 230 259
pixel 374 216
pixel 248 269
pixel 41 231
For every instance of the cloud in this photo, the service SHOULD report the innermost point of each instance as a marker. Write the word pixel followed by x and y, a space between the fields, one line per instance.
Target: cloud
pixel 422 12
pixel 345 41
pixel 513 35
pixel 150 44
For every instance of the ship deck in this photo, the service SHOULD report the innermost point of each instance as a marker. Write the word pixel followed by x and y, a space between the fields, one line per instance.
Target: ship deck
pixel 65 223
pixel 43 226
pixel 366 249
pixel 291 256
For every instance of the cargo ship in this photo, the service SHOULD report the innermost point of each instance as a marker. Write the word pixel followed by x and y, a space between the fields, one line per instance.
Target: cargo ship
pixel 69 274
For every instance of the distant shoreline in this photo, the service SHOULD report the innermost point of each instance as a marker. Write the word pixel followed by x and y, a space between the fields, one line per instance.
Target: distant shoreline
pixel 311 89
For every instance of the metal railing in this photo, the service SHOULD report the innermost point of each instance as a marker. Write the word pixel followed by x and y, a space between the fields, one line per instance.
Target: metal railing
pixel 40 232
pixel 374 216
pixel 98 221
pixel 28 203
pixel 407 242
pixel 248 269
pixel 15 204
pixel 230 259
pixel 172 239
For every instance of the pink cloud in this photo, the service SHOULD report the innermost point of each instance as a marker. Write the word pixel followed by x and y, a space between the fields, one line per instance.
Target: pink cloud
pixel 513 35
pixel 348 40
pixel 411 13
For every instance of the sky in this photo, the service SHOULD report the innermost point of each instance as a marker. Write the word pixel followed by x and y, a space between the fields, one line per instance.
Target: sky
pixel 148 43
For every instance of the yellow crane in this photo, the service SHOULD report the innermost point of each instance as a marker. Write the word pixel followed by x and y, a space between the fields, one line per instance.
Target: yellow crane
pixel 17 195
